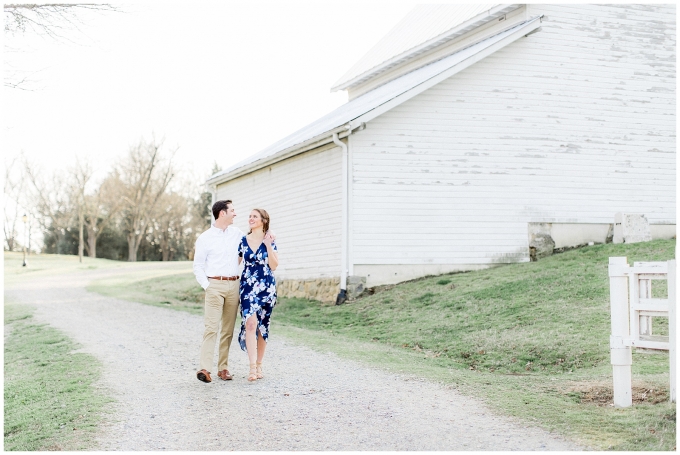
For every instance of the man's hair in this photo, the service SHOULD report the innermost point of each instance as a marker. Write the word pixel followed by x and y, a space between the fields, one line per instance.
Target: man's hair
pixel 219 206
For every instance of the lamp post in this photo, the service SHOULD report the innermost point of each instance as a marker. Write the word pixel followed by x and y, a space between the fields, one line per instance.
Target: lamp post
pixel 25 219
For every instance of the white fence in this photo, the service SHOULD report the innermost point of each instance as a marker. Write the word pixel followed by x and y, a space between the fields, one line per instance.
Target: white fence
pixel 632 310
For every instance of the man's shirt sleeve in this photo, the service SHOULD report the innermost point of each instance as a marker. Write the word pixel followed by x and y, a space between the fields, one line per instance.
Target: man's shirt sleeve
pixel 200 256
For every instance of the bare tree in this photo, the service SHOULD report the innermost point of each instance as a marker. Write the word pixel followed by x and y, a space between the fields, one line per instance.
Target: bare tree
pixel 81 175
pixel 145 175
pixel 48 19
pixel 171 224
pixel 102 206
pixel 199 202
pixel 52 197
pixel 53 20
pixel 14 191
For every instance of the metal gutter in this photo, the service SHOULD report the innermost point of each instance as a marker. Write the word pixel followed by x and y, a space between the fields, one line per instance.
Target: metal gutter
pixel 342 296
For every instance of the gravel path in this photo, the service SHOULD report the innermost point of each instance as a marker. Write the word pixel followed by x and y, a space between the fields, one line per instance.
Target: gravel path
pixel 307 400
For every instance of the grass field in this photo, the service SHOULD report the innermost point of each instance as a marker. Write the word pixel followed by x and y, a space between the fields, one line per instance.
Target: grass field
pixel 50 402
pixel 530 339
pixel 175 289
pixel 50 398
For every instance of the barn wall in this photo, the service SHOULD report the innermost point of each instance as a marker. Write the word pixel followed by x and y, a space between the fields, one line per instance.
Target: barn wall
pixel 303 197
pixel 474 36
pixel 569 125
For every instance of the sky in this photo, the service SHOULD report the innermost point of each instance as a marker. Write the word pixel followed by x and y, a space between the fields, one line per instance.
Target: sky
pixel 219 81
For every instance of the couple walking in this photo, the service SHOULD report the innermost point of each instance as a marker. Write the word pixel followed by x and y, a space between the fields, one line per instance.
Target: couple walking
pixel 219 253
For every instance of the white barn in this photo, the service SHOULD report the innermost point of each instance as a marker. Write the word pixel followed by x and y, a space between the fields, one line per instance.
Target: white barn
pixel 468 129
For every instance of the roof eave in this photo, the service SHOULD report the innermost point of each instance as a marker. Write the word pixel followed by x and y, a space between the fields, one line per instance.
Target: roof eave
pixel 358 118
pixel 316 141
pixel 412 53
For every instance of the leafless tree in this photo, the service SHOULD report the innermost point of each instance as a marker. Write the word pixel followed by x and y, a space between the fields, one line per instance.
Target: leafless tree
pixel 81 175
pixel 192 187
pixel 171 224
pixel 53 20
pixel 14 191
pixel 145 175
pixel 102 206
pixel 48 19
pixel 52 196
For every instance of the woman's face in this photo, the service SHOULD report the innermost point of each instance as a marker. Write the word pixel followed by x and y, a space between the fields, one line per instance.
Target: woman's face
pixel 255 220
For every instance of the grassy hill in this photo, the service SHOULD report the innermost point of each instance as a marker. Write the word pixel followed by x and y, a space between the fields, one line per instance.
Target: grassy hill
pixel 529 339
pixel 550 316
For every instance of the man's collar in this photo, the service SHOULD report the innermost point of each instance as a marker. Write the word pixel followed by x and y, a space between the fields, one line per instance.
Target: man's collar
pixel 212 226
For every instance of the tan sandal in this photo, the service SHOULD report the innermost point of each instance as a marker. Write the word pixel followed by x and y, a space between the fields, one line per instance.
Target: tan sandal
pixel 252 375
pixel 258 370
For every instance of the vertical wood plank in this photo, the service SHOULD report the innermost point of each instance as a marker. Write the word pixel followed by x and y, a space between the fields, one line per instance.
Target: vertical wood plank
pixel 621 357
pixel 672 324
pixel 645 288
pixel 634 300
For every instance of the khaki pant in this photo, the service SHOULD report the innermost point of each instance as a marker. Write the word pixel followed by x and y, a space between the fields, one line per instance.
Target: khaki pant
pixel 221 305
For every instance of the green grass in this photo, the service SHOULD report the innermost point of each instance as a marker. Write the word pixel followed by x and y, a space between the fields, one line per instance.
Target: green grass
pixel 530 339
pixel 550 316
pixel 44 265
pixel 50 400
pixel 553 402
pixel 178 291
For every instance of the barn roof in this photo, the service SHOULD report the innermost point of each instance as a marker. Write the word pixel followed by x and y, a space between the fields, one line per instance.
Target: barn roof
pixel 424 28
pixel 354 113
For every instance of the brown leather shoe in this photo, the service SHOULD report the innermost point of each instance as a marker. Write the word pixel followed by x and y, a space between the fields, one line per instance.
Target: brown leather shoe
pixel 225 375
pixel 204 376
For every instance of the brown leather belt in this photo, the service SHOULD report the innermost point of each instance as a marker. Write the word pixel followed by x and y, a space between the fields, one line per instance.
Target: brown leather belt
pixel 223 278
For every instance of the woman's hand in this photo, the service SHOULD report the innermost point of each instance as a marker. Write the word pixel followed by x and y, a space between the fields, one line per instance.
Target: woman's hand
pixel 273 258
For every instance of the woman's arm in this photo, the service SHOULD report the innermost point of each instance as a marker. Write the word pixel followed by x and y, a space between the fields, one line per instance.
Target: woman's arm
pixel 273 258
pixel 271 253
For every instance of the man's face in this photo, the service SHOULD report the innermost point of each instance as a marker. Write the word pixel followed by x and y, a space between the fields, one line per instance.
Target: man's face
pixel 230 213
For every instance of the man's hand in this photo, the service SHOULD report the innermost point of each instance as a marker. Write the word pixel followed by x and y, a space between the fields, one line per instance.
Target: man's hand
pixel 268 238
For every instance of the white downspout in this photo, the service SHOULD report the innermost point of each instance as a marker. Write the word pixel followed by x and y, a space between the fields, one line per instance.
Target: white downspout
pixel 342 296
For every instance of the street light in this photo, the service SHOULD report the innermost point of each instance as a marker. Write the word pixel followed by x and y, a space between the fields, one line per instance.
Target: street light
pixel 25 219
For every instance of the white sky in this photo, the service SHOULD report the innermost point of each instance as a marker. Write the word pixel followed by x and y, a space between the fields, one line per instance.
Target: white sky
pixel 221 80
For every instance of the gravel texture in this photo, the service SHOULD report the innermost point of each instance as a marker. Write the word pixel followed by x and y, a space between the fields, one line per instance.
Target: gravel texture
pixel 307 400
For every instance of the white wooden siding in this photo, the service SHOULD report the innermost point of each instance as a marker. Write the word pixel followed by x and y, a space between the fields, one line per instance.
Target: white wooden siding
pixel 476 35
pixel 303 198
pixel 569 125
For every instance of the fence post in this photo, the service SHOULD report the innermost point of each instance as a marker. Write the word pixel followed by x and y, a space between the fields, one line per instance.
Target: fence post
pixel 621 353
pixel 645 292
pixel 672 301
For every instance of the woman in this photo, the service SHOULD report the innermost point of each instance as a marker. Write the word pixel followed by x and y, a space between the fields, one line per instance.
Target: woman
pixel 257 289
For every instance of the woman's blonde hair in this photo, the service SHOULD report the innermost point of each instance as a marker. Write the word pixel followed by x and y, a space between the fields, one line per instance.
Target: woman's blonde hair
pixel 265 220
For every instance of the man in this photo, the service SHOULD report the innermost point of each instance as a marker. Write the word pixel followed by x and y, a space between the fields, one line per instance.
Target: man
pixel 217 270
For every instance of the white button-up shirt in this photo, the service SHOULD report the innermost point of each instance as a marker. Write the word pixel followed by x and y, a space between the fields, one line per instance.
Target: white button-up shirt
pixel 217 253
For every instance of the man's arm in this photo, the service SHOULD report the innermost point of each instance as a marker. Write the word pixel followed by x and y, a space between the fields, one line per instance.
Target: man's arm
pixel 199 264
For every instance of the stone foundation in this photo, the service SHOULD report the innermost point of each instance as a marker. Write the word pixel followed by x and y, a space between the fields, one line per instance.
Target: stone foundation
pixel 321 289
pixel 355 286
pixel 541 243
pixel 631 228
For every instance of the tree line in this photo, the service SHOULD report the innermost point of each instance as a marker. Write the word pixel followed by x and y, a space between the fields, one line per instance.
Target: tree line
pixel 143 209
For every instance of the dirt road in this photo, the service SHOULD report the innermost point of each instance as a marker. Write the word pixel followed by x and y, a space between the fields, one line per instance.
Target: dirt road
pixel 307 400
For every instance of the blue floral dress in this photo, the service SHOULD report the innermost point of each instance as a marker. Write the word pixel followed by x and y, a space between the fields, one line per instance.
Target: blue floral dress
pixel 257 289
